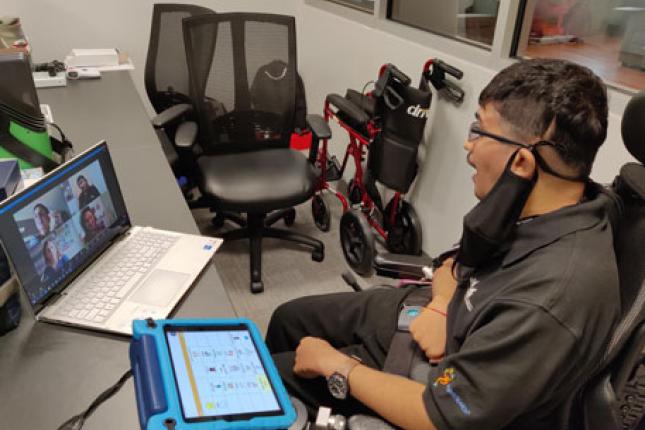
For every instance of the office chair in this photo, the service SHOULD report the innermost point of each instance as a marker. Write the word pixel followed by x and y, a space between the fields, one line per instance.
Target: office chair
pixel 242 69
pixel 167 85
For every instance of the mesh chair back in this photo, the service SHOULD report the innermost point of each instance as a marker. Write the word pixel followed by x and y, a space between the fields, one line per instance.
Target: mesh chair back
pixel 166 73
pixel 242 70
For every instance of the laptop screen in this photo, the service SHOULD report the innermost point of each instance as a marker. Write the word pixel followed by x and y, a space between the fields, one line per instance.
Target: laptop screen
pixel 54 229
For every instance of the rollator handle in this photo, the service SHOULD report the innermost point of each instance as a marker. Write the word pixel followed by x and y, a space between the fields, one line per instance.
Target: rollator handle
pixel 451 70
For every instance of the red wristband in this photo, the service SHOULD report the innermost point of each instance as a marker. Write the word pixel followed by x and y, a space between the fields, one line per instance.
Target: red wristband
pixel 437 311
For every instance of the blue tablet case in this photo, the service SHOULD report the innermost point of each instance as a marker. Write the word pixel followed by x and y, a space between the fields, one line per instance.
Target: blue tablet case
pixel 157 397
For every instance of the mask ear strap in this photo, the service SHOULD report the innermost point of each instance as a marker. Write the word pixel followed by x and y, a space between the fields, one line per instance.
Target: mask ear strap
pixel 510 162
pixel 544 166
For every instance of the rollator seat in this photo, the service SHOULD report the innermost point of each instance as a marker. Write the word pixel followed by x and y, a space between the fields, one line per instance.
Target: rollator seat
pixel 258 181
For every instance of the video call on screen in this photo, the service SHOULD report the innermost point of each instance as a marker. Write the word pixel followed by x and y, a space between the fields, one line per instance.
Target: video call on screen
pixel 59 227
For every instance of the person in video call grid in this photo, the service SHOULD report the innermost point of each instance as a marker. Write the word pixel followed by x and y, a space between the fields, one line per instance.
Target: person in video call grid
pixel 55 260
pixel 43 221
pixel 91 226
pixel 88 192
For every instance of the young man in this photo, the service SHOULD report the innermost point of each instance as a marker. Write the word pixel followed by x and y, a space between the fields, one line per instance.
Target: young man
pixel 537 298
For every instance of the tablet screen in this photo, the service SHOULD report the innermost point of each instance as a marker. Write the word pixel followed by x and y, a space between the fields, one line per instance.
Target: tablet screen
pixel 219 374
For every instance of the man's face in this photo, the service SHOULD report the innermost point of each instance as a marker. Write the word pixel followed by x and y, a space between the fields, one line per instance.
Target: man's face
pixel 487 156
pixel 41 217
pixel 90 220
pixel 82 184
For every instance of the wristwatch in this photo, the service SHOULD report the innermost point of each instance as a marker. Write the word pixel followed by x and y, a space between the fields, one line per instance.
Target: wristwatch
pixel 337 383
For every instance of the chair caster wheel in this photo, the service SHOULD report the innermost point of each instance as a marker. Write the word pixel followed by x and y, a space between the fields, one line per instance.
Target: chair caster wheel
pixel 257 287
pixel 218 221
pixel 318 255
pixel 290 217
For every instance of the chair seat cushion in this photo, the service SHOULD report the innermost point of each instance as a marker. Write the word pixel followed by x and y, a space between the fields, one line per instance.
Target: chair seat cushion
pixel 258 181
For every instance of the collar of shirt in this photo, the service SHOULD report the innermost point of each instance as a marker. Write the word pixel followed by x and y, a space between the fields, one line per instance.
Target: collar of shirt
pixel 548 228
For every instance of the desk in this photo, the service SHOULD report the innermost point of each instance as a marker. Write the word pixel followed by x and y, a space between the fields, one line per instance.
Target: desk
pixel 49 373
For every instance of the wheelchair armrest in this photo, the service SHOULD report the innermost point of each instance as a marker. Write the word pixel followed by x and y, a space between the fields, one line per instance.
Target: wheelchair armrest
pixel 402 266
pixel 172 113
pixel 318 126
pixel 348 108
pixel 186 134
pixel 366 422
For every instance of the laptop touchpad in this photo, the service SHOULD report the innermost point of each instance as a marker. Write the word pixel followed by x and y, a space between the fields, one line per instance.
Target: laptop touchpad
pixel 160 287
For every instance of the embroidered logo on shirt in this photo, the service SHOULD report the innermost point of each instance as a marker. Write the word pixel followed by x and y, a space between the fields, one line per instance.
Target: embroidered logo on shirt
pixel 446 380
pixel 469 293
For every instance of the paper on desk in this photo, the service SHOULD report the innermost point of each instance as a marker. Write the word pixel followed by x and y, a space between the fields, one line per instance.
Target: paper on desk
pixel 128 65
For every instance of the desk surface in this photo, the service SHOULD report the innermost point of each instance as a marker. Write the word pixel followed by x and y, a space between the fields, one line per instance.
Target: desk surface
pixel 49 373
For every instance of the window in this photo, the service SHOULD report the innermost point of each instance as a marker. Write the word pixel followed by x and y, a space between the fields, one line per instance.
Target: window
pixel 608 36
pixel 470 20
pixel 364 5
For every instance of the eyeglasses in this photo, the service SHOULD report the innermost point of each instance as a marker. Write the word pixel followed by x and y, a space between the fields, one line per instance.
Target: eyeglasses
pixel 475 132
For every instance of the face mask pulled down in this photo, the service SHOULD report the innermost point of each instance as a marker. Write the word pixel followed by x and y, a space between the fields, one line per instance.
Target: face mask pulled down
pixel 491 222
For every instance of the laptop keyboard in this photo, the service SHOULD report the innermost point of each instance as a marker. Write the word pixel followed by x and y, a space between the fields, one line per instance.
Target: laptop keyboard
pixel 105 289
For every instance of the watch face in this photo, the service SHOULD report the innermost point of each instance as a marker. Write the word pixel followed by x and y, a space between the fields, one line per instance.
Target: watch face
pixel 337 385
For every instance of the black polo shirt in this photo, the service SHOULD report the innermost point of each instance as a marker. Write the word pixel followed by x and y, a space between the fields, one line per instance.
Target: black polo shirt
pixel 525 333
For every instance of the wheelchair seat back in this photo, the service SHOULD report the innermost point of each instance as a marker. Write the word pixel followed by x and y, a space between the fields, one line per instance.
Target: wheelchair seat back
pixel 615 399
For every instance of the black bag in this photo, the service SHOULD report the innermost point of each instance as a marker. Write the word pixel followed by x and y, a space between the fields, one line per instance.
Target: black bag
pixel 267 94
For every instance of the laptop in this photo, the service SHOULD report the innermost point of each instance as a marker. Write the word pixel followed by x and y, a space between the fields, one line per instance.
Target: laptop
pixel 79 260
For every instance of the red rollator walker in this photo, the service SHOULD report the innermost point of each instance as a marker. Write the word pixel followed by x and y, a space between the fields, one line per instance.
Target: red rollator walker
pixel 386 126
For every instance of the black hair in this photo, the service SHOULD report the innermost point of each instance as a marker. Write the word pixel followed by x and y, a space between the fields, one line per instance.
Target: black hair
pixel 79 177
pixel 40 205
pixel 533 94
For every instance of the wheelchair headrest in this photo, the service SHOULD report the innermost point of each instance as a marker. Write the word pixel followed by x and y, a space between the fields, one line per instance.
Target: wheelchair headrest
pixel 633 126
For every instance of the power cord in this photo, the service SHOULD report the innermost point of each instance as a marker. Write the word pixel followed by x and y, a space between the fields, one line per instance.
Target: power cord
pixel 78 421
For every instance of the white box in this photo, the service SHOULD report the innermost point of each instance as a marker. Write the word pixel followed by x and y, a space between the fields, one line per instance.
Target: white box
pixel 92 57
pixel 43 80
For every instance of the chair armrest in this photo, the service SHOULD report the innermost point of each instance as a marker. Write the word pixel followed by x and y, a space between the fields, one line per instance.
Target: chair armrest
pixel 401 266
pixel 186 134
pixel 320 130
pixel 172 113
pixel 348 108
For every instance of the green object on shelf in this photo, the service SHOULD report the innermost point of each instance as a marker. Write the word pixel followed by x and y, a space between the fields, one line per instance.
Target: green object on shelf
pixel 36 140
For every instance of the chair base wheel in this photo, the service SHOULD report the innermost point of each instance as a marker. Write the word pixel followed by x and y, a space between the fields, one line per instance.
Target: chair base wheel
pixel 218 221
pixel 257 287
pixel 318 255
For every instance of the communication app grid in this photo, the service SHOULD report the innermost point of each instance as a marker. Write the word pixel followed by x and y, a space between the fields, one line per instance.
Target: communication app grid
pixel 220 373
pixel 57 227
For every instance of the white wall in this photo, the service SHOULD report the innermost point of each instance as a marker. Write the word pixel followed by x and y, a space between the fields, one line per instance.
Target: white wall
pixel 339 48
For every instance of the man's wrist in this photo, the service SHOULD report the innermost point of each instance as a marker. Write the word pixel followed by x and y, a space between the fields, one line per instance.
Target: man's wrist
pixel 343 366
pixel 439 302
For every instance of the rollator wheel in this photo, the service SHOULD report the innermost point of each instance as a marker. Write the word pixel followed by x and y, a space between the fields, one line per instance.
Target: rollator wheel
pixel 354 192
pixel 290 217
pixel 405 236
pixel 357 241
pixel 320 212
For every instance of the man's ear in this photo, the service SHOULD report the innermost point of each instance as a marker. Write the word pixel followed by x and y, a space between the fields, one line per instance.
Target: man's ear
pixel 524 164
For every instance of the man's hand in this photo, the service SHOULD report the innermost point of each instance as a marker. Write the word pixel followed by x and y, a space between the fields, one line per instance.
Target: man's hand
pixel 429 328
pixel 316 357
pixel 444 283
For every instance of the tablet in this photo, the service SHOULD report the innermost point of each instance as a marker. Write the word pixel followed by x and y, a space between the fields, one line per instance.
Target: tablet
pixel 212 374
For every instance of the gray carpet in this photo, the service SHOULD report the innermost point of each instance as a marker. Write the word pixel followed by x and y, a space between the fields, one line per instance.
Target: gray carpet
pixel 287 269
